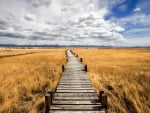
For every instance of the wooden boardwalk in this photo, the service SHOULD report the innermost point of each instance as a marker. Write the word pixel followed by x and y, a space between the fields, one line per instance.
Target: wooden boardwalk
pixel 75 93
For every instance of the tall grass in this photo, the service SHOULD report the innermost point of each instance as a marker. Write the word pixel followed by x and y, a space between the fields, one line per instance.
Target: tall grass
pixel 124 74
pixel 25 74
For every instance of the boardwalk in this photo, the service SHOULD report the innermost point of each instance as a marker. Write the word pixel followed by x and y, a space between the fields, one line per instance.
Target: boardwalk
pixel 75 93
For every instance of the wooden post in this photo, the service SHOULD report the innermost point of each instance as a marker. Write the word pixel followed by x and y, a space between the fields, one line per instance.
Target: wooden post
pixel 104 100
pixel 71 51
pixel 66 52
pixel 47 102
pixel 81 59
pixel 100 94
pixel 63 68
pixel 85 67
pixel 49 91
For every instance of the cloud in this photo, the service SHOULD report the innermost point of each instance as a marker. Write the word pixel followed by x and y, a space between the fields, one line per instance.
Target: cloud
pixel 38 3
pixel 137 9
pixel 11 33
pixel 144 42
pixel 30 17
pixel 66 22
pixel 123 7
pixel 3 24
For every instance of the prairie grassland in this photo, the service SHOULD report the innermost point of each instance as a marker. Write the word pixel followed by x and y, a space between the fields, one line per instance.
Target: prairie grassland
pixel 25 74
pixel 124 74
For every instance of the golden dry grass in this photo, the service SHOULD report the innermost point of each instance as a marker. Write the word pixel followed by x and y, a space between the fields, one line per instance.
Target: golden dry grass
pixel 24 76
pixel 124 74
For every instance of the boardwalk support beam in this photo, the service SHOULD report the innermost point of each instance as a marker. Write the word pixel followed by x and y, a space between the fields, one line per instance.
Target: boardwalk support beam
pixel 47 102
pixel 81 59
pixel 104 101
pixel 66 52
pixel 63 68
pixel 85 67
pixel 49 91
pixel 100 94
pixel 76 55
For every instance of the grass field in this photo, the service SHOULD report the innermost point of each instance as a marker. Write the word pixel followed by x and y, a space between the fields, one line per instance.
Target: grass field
pixel 124 74
pixel 25 74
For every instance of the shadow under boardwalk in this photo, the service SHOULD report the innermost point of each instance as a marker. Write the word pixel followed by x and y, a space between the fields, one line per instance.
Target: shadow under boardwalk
pixel 75 93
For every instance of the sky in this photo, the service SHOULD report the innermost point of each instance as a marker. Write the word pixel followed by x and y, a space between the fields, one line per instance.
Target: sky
pixel 75 22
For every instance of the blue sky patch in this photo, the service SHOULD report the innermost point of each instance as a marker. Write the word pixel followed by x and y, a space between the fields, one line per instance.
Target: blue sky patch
pixel 123 9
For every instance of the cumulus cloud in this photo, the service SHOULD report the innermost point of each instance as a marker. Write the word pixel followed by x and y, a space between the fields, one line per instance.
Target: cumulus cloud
pixel 62 22
pixel 30 17
pixel 38 3
pixel 137 9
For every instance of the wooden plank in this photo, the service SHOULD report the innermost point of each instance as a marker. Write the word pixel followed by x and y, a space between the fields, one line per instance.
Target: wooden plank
pixel 70 80
pixel 77 78
pixel 75 107
pixel 75 98
pixel 77 102
pixel 75 83
pixel 76 75
pixel 74 91
pixel 69 111
pixel 75 94
pixel 75 88
pixel 67 72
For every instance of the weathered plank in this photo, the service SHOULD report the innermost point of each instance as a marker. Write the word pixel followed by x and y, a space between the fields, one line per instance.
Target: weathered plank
pixel 76 107
pixel 69 111
pixel 74 91
pixel 76 94
pixel 75 88
pixel 80 102
pixel 75 83
pixel 75 98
